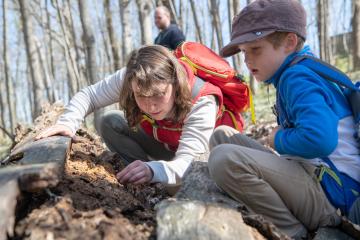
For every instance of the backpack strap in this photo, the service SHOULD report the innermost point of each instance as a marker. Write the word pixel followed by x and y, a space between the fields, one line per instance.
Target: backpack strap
pixel 325 70
pixel 198 85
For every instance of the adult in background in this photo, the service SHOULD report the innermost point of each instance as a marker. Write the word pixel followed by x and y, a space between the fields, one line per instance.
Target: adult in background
pixel 170 35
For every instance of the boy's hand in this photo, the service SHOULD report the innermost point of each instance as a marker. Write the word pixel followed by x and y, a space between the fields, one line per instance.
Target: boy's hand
pixel 136 172
pixel 271 137
pixel 55 130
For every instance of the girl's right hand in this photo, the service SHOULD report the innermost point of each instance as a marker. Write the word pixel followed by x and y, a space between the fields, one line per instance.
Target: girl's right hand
pixel 55 130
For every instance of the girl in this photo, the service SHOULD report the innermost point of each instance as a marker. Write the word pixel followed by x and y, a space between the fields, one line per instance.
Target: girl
pixel 161 120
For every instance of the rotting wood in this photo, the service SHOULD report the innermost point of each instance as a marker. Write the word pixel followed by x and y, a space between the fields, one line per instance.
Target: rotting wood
pixel 35 165
pixel 9 193
pixel 52 149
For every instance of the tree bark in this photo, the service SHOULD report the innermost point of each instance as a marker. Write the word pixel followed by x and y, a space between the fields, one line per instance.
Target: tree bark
pixel 33 61
pixel 322 24
pixel 126 28
pixel 115 49
pixel 89 39
pixel 234 8
pixel 253 83
pixel 196 21
pixel 356 34
pixel 8 84
pixel 214 10
pixel 70 61
pixel 145 7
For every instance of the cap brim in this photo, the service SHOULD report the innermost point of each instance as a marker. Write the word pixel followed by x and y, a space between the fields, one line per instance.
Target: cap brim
pixel 233 47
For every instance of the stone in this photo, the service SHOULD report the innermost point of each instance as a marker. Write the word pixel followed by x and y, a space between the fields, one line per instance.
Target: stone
pixel 186 219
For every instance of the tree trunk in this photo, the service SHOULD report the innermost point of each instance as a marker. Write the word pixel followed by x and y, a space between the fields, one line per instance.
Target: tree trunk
pixel 356 34
pixel 322 24
pixel 2 107
pixel 49 52
pixel 145 7
pixel 76 47
pixel 234 8
pixel 33 61
pixel 8 84
pixel 126 28
pixel 196 21
pixel 71 64
pixel 253 83
pixel 103 65
pixel 214 10
pixel 115 49
pixel 89 39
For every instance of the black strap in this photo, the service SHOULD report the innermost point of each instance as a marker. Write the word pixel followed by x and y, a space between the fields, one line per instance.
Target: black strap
pixel 331 73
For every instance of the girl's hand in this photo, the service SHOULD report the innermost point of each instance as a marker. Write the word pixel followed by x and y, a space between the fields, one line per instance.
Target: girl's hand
pixel 55 130
pixel 136 172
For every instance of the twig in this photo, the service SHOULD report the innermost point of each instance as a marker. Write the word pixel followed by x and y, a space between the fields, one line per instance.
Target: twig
pixel 12 137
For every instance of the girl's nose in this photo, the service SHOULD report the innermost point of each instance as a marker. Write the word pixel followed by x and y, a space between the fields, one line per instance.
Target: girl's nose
pixel 151 105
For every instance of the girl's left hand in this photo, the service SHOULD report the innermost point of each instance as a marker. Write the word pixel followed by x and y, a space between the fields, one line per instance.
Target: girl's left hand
pixel 136 172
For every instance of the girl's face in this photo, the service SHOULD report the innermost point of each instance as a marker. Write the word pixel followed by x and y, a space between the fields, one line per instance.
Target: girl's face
pixel 157 103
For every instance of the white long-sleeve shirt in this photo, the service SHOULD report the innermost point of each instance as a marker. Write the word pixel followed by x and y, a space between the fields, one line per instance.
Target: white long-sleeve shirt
pixel 198 125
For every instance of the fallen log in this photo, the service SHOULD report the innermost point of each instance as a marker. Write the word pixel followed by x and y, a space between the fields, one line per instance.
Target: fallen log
pixel 31 167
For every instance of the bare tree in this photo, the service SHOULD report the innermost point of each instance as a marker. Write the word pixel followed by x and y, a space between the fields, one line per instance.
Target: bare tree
pixel 89 39
pixel 115 49
pixel 196 21
pixel 32 57
pixel 322 24
pixel 356 34
pixel 233 9
pixel 126 27
pixel 70 58
pixel 214 10
pixel 145 7
pixel 9 88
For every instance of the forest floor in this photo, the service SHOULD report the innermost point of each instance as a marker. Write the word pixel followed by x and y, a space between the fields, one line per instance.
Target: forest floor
pixel 89 203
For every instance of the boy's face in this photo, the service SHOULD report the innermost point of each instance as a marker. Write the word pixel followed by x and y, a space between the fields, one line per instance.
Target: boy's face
pixel 262 59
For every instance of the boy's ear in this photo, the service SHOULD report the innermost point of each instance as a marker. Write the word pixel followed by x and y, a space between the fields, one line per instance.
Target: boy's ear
pixel 291 42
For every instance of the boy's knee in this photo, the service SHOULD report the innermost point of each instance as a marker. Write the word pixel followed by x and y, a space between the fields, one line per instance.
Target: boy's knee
pixel 220 134
pixel 218 163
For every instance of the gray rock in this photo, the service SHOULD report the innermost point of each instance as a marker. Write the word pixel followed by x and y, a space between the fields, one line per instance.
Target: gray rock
pixel 197 185
pixel 181 219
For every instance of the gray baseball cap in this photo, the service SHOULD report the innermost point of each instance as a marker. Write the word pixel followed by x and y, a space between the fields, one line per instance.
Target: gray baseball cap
pixel 263 17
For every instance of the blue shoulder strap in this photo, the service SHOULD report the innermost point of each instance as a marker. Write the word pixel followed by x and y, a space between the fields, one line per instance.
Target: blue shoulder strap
pixel 326 71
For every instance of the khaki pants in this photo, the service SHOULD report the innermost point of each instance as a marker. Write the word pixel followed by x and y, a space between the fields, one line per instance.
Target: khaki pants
pixel 129 143
pixel 284 191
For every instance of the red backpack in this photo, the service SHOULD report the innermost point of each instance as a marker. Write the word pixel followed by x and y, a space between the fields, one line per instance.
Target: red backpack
pixel 210 67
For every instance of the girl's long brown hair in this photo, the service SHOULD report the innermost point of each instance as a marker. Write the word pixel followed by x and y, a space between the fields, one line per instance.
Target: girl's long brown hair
pixel 148 66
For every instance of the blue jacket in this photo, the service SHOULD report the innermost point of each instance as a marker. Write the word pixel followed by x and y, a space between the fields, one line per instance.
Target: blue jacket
pixel 309 110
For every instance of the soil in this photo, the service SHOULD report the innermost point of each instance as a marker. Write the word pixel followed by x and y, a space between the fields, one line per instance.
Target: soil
pixel 89 203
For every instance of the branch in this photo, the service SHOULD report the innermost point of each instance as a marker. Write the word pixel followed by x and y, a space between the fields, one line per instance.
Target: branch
pixel 12 137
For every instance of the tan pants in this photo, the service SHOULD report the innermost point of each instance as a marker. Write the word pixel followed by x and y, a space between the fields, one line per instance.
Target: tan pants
pixel 284 191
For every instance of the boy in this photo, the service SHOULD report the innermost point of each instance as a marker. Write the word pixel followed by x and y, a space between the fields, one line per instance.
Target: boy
pixel 315 122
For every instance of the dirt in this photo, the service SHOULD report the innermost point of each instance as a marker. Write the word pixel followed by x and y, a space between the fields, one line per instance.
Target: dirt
pixel 89 203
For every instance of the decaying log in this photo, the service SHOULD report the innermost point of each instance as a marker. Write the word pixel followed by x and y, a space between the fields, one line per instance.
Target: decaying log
pixel 31 166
